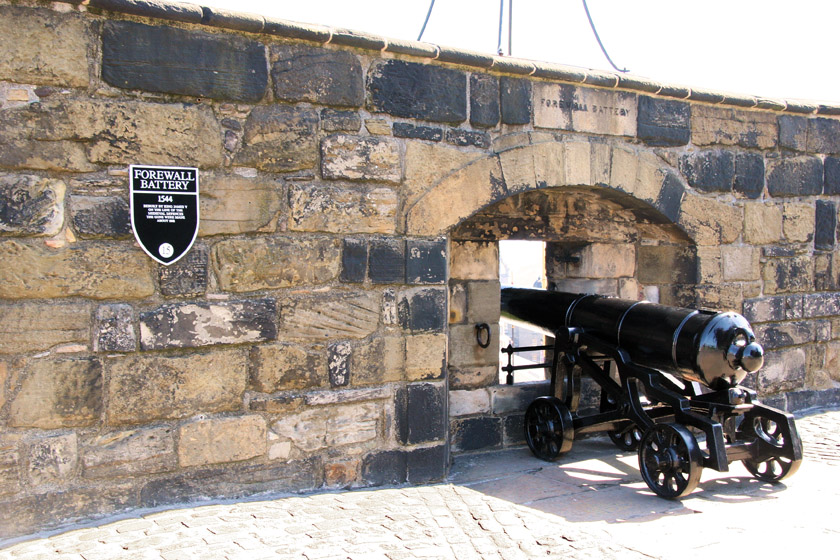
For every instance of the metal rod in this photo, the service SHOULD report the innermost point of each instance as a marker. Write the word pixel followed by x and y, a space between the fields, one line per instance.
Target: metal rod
pixel 501 15
pixel 510 27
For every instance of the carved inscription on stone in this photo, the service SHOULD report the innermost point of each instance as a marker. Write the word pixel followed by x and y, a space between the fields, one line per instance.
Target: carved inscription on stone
pixel 584 110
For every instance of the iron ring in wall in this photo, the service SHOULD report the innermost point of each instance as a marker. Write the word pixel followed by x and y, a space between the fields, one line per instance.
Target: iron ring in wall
pixel 482 334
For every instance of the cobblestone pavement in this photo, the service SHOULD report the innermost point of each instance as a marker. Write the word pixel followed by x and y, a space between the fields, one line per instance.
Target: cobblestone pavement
pixel 591 504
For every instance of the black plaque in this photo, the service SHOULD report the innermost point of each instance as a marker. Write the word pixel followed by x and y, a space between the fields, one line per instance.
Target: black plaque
pixel 164 210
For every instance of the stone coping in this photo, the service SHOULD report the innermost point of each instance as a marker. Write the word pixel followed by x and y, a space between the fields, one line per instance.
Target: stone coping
pixel 255 23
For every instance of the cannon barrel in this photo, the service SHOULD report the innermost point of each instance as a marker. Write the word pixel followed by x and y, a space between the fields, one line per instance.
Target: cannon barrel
pixel 717 349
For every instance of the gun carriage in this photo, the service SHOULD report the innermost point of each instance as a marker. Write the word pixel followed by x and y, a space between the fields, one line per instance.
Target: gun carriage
pixel 665 374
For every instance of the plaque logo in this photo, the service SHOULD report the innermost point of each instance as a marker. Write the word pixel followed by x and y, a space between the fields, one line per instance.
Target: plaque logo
pixel 164 210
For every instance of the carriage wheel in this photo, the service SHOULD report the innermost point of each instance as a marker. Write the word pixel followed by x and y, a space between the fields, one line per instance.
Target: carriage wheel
pixel 670 460
pixel 548 428
pixel 774 468
pixel 627 439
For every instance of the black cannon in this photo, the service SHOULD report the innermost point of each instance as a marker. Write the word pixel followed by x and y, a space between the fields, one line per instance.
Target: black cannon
pixel 665 374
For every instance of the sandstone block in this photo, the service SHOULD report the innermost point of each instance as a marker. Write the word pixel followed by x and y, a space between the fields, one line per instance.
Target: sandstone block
pixel 568 107
pixel 43 47
pixel 114 329
pixel 340 121
pixel 474 260
pixel 784 370
pixel 353 424
pixel 732 127
pixel 188 276
pixel 603 260
pixel 420 176
pixel 245 265
pixel 61 155
pixel 470 434
pixel 483 302
pixel 53 460
pixel 129 452
pixel 100 216
pixel 473 377
pixel 379 360
pixel 666 264
pixel 286 367
pixel 741 263
pixel 34 326
pixel 342 210
pixel 171 60
pixel 323 76
pixel 798 222
pixel 58 393
pixel 31 205
pixel 221 440
pixel 457 302
pixel 331 316
pixel 762 223
pixel 198 383
pixel 466 402
pixel 192 325
pixel 710 222
pixel 794 274
pixel 464 351
pixel 425 356
pixel 484 100
pixel 418 91
pixel 361 158
pixel 234 204
pixel 10 461
pixel 279 138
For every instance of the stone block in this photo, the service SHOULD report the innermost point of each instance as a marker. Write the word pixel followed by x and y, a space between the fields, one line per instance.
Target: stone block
pixel 232 204
pixel 422 309
pixel 333 120
pixel 604 286
pixel 361 158
pixel 44 47
pixel 420 176
pixel 353 424
pixel 57 393
pixel 824 136
pixel 832 175
pixel 31 205
pixel 516 398
pixel 377 361
pixel 733 127
pixel 85 269
pixel 341 475
pixel 710 170
pixel 286 367
pixel 425 356
pixel 469 402
pixel 464 350
pixel 788 177
pixel 483 302
pixel 279 138
pixel 793 132
pixel 187 276
pixel 710 222
pixel 30 327
pixel 129 453
pixel 421 413
pixel 825 229
pixel 221 440
pixel 408 130
pixel 471 434
pixel 457 302
pixel 113 329
pixel 338 363
pixel 417 91
pixel 275 404
pixel 515 100
pixel 62 156
pixel 385 468
pixel 10 462
pixel 427 464
pixel 663 122
pixel 762 223
pixel 354 260
pixel 474 260
pixel 726 297
pixel 192 325
pixel 387 261
pixel 317 75
pixel 791 333
pixel 740 263
pixel 330 316
pixel 342 210
pixel 484 100
pixel 666 264
pixel 514 429
pixel 260 263
pixel 784 370
pixel 344 396
pixel 471 377
pixel 819 305
pixel 568 107
pixel 788 275
pixel 604 260
pixel 749 175
pixel 425 261
pixel 171 60
pixel 53 460
pixel 378 127
pixel 100 216
pixel 765 309
pixel 798 222
pixel 461 137
pixel 204 383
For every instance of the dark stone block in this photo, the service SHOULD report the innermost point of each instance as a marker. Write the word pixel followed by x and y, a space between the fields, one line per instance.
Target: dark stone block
pixel 30 205
pixel 114 329
pixel 407 130
pixel 515 100
pixel 426 262
pixel 471 434
pixel 417 91
pixel 188 276
pixel 670 197
pixel 749 175
pixel 484 100
pixel 824 136
pixel 825 230
pixel 800 401
pixel 776 252
pixel 709 171
pixel 384 468
pixel 168 491
pixel 327 77
pixel 354 258
pixel 514 429
pixel 795 177
pixel 280 138
pixel 821 305
pixel 421 413
pixel 832 175
pixel 427 465
pixel 460 137
pixel 663 122
pixel 793 132
pixel 422 309
pixel 338 363
pixel 340 121
pixel 781 335
pixel 387 261
pixel 666 264
pixel 765 309
pixel 170 60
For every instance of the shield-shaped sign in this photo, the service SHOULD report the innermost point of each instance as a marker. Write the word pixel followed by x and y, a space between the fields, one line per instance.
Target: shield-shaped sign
pixel 164 210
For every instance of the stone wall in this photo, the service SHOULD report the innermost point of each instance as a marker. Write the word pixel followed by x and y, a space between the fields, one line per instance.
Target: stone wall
pixel 321 332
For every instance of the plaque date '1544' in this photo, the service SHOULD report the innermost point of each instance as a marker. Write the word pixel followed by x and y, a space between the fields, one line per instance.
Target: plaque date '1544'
pixel 164 210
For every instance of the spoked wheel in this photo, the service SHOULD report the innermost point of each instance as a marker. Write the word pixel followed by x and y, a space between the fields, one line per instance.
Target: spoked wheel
pixel 548 428
pixel 777 467
pixel 627 439
pixel 670 460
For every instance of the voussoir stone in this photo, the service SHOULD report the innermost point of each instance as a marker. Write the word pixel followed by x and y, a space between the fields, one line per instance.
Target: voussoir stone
pixel 31 205
pixel 280 138
pixel 317 75
pixel 245 265
pixel 197 383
